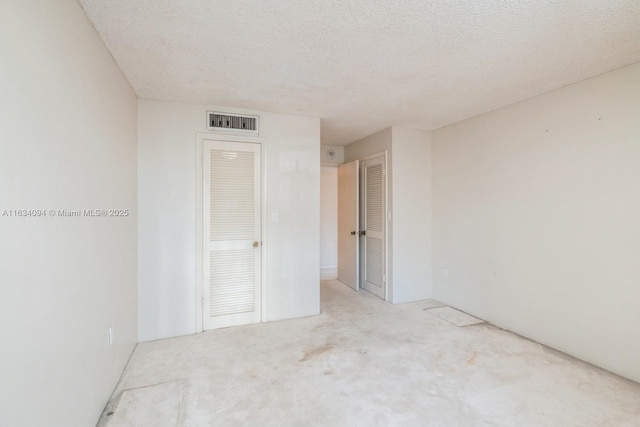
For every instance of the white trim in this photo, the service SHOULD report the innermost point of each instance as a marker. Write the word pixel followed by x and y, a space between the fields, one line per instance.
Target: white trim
pixel 231 138
pixel 200 138
pixel 265 246
pixel 328 267
pixel 329 273
pixel 374 155
pixel 386 228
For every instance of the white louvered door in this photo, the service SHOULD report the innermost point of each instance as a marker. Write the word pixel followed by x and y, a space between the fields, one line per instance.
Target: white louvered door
pixel 373 220
pixel 231 233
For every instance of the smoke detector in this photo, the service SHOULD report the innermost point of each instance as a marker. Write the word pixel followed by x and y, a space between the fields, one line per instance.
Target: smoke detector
pixel 330 154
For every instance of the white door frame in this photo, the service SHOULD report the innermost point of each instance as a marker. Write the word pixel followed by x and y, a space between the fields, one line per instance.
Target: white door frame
pixel 388 283
pixel 201 137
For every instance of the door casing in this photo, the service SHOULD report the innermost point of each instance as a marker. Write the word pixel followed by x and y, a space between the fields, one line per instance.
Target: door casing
pixel 364 226
pixel 201 137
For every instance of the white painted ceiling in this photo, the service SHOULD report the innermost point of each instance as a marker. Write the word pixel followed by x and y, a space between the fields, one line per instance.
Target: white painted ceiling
pixel 364 65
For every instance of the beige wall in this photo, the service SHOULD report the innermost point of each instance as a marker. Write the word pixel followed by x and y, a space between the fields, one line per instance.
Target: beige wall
pixel 536 218
pixel 67 141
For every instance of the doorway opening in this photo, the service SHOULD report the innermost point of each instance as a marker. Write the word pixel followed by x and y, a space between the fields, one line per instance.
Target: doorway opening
pixel 362 224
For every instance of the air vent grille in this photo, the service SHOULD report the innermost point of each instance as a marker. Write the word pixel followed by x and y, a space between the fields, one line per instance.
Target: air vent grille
pixel 232 122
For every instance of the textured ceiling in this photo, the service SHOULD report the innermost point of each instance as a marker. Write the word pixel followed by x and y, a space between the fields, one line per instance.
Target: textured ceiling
pixel 364 65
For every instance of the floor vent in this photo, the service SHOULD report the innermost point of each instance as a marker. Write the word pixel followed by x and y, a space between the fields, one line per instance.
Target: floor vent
pixel 232 122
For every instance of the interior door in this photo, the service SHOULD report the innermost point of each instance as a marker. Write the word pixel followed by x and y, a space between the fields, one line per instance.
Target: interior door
pixel 348 272
pixel 232 251
pixel 372 234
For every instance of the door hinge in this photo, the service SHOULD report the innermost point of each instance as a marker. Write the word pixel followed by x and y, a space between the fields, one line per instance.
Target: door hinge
pixel 384 277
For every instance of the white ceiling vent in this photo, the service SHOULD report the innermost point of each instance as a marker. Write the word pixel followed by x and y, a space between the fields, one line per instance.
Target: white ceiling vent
pixel 232 122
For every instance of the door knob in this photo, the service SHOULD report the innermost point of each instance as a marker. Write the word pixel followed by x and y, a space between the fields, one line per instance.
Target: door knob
pixel 353 233
pixel 256 244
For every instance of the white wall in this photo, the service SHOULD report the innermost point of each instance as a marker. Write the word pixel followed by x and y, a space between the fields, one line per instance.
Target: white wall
pixel 536 218
pixel 329 211
pixel 411 214
pixel 167 213
pixel 328 217
pixel 67 141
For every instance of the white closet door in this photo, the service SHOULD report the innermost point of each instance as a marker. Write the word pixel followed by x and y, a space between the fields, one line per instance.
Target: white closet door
pixel 374 219
pixel 231 233
pixel 348 224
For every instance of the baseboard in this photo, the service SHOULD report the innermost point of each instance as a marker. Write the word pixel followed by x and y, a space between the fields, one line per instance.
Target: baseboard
pixel 329 273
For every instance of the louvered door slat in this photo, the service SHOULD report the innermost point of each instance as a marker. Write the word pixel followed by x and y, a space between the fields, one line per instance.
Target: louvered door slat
pixel 374 261
pixel 232 195
pixel 375 218
pixel 374 198
pixel 232 225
